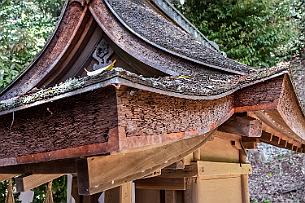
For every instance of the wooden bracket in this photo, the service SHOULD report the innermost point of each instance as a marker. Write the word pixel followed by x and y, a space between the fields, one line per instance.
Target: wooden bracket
pixel 211 170
pixel 26 183
pixel 243 126
pixel 4 177
pixel 96 174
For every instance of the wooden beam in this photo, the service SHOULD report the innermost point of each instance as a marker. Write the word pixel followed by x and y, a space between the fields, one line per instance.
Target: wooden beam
pixel 188 171
pixel 243 126
pixel 126 193
pixel 211 170
pixel 96 174
pixel 65 166
pixel 158 183
pixel 26 183
pixel 4 177
pixel 154 174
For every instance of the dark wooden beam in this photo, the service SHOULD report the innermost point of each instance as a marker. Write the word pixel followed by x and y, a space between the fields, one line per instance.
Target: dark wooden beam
pixel 67 166
pixel 188 171
pixel 159 183
pixel 243 126
pixel 96 174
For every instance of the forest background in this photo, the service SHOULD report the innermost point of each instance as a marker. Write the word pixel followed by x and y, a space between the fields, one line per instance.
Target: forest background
pixel 260 33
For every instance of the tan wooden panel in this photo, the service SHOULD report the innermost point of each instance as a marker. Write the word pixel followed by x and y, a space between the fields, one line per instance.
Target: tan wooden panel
pixel 207 169
pixel 219 150
pixel 226 190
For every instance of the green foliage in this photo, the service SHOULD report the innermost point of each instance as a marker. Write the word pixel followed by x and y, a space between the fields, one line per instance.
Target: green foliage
pixel 25 26
pixel 258 33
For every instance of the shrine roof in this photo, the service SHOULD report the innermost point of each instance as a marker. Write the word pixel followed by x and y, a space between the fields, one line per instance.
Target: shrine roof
pixel 151 52
pixel 140 18
pixel 195 87
pixel 297 73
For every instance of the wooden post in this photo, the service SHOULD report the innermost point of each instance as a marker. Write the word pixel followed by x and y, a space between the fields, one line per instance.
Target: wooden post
pixel 170 196
pixel 121 194
pixel 191 194
pixel 244 179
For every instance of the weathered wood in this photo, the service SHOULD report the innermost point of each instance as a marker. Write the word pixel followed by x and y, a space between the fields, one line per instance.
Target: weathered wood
pixel 121 194
pixel 148 196
pixel 73 124
pixel 67 166
pixel 26 183
pixel 188 171
pixel 97 174
pixel 170 196
pixel 154 174
pixel 191 193
pixel 214 170
pixel 153 114
pixel 159 183
pixel 126 192
pixel 260 97
pixel 4 177
pixel 227 189
pixel 243 125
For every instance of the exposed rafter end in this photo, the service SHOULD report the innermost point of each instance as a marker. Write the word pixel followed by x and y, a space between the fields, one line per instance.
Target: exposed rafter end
pixel 243 126
pixel 280 142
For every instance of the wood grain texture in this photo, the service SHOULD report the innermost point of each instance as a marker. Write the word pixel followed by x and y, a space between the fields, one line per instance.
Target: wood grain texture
pixel 97 174
pixel 26 183
pixel 4 177
pixel 151 114
pixel 214 170
pixel 262 96
pixel 243 126
pixel 161 183
pixel 71 122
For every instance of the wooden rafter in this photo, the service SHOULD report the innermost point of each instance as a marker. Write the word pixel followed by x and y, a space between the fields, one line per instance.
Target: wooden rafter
pixel 243 126
pixel 96 174
pixel 26 183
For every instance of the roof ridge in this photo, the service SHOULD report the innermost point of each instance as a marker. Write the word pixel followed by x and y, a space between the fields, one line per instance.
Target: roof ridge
pixel 183 22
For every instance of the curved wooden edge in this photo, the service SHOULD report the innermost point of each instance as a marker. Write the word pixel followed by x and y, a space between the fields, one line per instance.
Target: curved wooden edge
pixel 68 26
pixel 96 174
pixel 275 103
pixel 290 111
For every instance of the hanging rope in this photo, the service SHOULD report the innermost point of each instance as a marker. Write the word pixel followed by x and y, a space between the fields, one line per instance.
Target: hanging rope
pixel 49 195
pixel 10 194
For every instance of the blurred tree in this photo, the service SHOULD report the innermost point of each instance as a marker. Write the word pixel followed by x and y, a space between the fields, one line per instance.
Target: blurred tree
pixel 257 33
pixel 24 26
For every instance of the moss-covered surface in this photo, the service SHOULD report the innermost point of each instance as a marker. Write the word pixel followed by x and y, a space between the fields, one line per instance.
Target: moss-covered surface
pixel 205 85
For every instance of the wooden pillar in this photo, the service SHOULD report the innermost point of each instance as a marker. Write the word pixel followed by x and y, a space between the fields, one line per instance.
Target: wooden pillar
pixel 244 179
pixel 191 194
pixel 121 194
